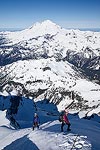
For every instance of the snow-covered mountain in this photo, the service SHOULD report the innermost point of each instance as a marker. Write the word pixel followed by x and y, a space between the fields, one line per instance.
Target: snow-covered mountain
pixel 59 82
pixel 46 40
pixel 46 61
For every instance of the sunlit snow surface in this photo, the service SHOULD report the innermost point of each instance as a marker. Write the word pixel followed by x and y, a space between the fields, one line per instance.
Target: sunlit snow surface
pixel 83 136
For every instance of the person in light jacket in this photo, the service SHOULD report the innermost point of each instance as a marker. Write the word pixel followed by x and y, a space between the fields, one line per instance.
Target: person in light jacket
pixel 36 121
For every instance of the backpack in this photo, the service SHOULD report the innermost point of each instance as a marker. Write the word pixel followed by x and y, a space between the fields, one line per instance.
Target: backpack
pixel 61 117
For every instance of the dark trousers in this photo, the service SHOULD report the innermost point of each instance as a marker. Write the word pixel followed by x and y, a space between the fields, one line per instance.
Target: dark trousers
pixel 62 125
pixel 35 125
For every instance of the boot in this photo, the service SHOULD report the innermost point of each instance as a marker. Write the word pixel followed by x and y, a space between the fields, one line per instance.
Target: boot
pixel 68 129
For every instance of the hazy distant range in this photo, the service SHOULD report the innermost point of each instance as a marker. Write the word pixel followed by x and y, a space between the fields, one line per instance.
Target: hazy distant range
pixel 82 29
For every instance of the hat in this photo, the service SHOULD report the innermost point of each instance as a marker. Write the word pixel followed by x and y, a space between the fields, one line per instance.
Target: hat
pixel 35 114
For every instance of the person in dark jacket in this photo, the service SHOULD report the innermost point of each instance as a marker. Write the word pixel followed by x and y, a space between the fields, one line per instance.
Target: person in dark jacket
pixel 65 121
pixel 36 121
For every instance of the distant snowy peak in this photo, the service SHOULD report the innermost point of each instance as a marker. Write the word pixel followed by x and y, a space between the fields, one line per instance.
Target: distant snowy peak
pixel 46 23
pixel 38 29
pixel 45 27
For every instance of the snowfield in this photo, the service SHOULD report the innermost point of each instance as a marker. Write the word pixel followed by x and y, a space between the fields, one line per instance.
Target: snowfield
pixel 55 79
pixel 83 136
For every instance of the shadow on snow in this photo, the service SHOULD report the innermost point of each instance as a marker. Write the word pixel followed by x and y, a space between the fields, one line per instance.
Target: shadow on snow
pixel 23 143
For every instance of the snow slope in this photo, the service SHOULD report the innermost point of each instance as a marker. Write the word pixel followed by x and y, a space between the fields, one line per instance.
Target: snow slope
pixel 55 81
pixel 83 136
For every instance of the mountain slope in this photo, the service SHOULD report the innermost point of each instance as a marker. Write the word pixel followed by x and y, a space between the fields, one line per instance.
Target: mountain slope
pixel 47 39
pixel 83 136
pixel 58 82
pixel 37 62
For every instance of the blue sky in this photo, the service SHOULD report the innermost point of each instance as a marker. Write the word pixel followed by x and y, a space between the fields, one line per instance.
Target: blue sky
pixel 66 13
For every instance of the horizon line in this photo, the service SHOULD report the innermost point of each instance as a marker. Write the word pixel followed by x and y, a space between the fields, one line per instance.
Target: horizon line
pixel 96 29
